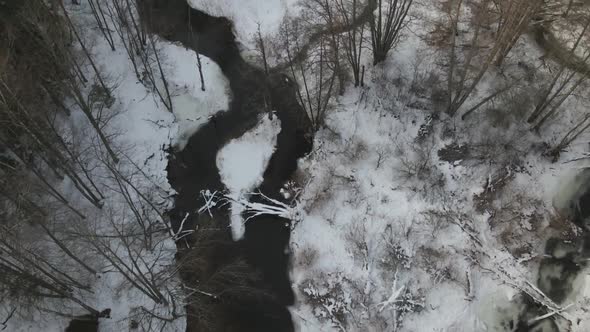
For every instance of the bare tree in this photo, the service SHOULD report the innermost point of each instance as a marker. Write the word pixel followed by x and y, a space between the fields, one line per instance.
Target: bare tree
pixel 46 143
pixel 128 258
pixel 84 49
pixel 23 208
pixel 45 228
pixel 102 22
pixel 121 26
pixel 141 49
pixel 262 49
pixel 514 17
pixel 349 11
pixel 570 4
pixel 578 129
pixel 56 50
pixel 466 69
pixel 140 202
pixel 562 85
pixel 168 100
pixel 387 25
pixel 317 74
pixel 194 40
pixel 30 274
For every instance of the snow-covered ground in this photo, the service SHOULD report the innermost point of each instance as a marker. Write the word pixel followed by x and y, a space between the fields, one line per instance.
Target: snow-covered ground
pixel 249 16
pixel 393 239
pixel 377 227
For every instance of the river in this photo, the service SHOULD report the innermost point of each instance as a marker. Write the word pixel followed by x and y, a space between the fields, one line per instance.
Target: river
pixel 193 169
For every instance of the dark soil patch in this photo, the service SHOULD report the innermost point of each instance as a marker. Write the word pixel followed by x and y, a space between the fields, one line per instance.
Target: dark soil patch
pixel 87 323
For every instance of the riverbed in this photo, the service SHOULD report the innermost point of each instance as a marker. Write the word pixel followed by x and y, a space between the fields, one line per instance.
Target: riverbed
pixel 193 169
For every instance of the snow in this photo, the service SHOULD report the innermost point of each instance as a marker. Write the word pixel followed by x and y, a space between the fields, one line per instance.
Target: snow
pixel 247 15
pixel 380 236
pixel 38 322
pixel 192 106
pixel 364 191
pixel 242 163
pixel 140 128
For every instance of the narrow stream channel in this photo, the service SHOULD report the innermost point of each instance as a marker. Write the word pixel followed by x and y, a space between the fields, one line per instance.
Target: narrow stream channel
pixel 194 169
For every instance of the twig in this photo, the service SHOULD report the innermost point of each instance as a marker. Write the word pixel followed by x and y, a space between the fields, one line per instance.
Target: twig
pixel 7 319
pixel 209 201
pixel 182 233
pixel 547 315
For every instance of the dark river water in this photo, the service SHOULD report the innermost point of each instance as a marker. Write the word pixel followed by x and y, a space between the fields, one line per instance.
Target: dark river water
pixel 194 169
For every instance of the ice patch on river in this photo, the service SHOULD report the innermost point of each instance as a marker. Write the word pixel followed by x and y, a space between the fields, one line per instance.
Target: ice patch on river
pixel 242 163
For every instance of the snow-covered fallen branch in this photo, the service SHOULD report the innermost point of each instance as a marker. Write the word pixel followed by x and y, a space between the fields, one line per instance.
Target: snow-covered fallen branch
pixel 210 199
pixel 269 206
pixel 393 298
pixel 516 280
pixel 198 291
pixel 547 315
pixel 181 233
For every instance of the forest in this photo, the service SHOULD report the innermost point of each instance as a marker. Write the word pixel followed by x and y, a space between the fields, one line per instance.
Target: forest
pixel 294 165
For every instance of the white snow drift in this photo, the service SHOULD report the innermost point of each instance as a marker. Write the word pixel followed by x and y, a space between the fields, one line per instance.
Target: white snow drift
pixel 242 163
